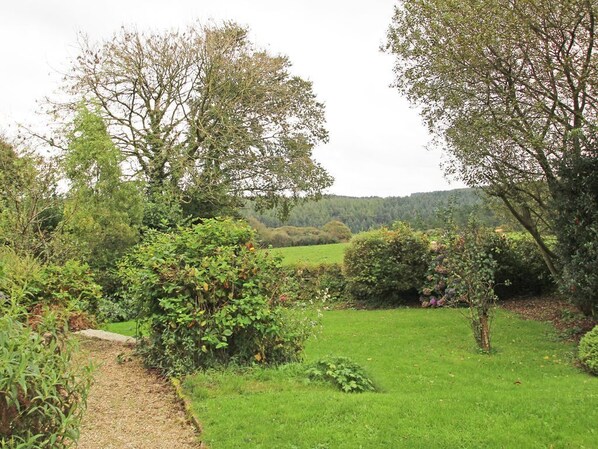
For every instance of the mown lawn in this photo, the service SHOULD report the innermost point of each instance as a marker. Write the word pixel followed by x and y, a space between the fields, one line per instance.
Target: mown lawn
pixel 311 255
pixel 436 390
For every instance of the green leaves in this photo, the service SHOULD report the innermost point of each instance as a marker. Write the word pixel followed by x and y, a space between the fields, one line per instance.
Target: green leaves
pixel 342 372
pixel 41 392
pixel 382 264
pixel 210 298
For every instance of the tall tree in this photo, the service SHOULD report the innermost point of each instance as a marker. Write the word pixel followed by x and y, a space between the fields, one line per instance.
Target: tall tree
pixel 102 211
pixel 503 83
pixel 204 113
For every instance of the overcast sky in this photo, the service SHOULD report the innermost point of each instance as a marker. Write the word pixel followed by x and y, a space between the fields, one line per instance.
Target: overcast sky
pixel 377 142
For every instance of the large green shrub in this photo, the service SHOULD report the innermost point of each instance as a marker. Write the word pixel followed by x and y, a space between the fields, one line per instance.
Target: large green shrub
pixel 383 265
pixel 42 394
pixel 588 351
pixel 577 230
pixel 71 285
pixel 520 268
pixel 208 297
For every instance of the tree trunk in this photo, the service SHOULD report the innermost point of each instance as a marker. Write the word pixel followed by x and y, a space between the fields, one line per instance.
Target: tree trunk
pixel 484 332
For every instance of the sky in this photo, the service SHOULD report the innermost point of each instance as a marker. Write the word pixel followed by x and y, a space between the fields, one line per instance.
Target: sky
pixel 377 141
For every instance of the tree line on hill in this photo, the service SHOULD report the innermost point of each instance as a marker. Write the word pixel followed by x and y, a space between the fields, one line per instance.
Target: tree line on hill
pixel 421 210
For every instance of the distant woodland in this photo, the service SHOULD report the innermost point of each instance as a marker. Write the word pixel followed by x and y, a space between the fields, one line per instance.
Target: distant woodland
pixel 421 210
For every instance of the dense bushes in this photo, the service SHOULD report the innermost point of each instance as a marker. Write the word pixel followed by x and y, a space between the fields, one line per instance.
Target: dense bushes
pixel 384 264
pixel 210 298
pixel 577 231
pixel 324 282
pixel 69 289
pixel 42 396
pixel 519 262
pixel 284 236
pixel 588 351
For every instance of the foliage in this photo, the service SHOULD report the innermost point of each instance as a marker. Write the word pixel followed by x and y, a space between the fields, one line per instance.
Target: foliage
pixel 315 283
pixel 470 269
pixel 502 84
pixel 103 211
pixel 577 232
pixel 42 393
pixel 205 114
pixel 286 236
pixel 338 230
pixel 30 209
pixel 70 286
pixel 68 290
pixel 520 268
pixel 208 297
pixel 588 351
pixel 20 276
pixel 420 210
pixel 342 372
pixel 381 265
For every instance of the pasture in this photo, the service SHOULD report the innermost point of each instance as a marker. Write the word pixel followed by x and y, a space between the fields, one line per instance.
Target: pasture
pixel 311 255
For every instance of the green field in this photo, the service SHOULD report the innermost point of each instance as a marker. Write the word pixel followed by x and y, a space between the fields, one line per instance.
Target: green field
pixel 436 390
pixel 128 328
pixel 311 255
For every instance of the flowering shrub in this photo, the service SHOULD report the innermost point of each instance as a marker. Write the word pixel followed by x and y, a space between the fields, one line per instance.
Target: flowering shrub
pixel 208 297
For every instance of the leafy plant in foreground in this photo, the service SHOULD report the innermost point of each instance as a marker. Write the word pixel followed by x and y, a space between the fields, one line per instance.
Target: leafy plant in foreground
pixel 42 395
pixel 341 372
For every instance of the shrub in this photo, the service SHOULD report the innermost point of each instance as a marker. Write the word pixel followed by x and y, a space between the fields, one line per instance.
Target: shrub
pixel 470 268
pixel 577 229
pixel 342 372
pixel 588 351
pixel 519 262
pixel 71 285
pixel 69 288
pixel 316 282
pixel 208 297
pixel 382 265
pixel 42 395
pixel 338 230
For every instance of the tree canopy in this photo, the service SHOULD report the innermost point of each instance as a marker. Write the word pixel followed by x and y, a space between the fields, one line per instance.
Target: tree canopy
pixel 204 114
pixel 509 87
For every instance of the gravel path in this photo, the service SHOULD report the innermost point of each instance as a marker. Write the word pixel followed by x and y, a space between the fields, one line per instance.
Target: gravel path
pixel 129 407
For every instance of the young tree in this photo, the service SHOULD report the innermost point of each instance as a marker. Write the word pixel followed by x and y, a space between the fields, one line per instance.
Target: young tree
pixel 469 270
pixel 102 211
pixel 504 84
pixel 30 208
pixel 204 114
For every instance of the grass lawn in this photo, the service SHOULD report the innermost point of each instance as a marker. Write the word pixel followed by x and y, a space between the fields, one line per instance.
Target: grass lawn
pixel 436 390
pixel 311 255
pixel 128 328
